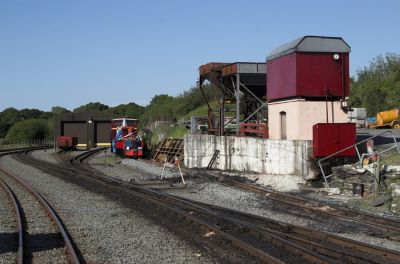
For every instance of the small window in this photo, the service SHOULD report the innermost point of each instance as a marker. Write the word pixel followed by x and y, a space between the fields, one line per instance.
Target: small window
pixel 283 124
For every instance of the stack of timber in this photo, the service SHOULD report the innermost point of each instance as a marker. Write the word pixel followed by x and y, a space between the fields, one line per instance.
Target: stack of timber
pixel 168 149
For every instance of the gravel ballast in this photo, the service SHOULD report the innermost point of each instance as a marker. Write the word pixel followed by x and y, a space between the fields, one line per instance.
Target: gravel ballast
pixel 41 237
pixel 8 230
pixel 104 230
pixel 208 191
pixel 49 155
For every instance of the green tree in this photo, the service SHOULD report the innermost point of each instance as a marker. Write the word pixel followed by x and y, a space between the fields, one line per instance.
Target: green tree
pixel 8 117
pixel 131 110
pixel 97 106
pixel 28 129
pixel 377 86
pixel 58 110
pixel 161 107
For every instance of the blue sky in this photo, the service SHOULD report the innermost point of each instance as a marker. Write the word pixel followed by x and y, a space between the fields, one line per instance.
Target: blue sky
pixel 70 53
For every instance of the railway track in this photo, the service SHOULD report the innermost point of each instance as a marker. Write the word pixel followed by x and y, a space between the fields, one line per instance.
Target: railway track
pixel 384 227
pixel 268 240
pixel 389 228
pixel 41 235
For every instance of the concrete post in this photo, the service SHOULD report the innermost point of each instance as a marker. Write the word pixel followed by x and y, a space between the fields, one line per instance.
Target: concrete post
pixel 193 125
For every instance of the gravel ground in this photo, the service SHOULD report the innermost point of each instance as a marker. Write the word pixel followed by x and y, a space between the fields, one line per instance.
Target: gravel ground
pixel 130 169
pixel 46 155
pixel 204 190
pixel 104 230
pixel 41 237
pixel 8 229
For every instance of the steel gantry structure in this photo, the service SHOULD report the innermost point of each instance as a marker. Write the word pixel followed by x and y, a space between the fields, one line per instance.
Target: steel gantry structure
pixel 239 84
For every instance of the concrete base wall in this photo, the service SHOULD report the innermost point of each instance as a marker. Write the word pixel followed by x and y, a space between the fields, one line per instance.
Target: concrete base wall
pixel 301 116
pixel 279 157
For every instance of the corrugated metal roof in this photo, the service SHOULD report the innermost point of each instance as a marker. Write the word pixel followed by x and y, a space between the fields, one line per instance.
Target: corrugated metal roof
pixel 311 44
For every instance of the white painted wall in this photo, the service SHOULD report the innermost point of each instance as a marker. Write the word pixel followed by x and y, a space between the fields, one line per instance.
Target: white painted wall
pixel 301 115
pixel 279 157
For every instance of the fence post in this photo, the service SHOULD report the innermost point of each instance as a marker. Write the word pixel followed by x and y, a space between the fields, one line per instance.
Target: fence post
pixel 377 175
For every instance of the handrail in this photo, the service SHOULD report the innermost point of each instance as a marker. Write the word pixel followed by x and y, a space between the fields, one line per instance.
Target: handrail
pixel 360 157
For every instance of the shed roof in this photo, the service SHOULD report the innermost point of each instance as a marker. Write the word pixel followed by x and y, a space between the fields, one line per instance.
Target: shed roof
pixel 311 44
pixel 85 115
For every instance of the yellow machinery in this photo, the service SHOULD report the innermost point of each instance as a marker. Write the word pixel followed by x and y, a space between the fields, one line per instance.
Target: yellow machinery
pixel 390 118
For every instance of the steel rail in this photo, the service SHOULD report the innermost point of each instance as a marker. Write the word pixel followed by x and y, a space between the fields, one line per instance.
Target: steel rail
pixel 187 215
pixel 362 247
pixel 388 225
pixel 70 250
pixel 339 241
pixel 314 246
pixel 5 152
pixel 17 215
pixel 306 233
pixel 163 200
pixel 383 223
pixel 299 231
pixel 350 258
pixel 201 220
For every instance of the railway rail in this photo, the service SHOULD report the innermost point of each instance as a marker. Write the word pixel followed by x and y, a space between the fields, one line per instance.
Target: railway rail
pixel 270 241
pixel 388 226
pixel 25 248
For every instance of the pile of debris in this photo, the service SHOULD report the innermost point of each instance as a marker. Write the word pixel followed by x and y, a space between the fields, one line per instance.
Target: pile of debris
pixel 349 177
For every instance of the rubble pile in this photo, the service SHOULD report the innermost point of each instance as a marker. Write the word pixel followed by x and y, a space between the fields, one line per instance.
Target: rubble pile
pixel 343 177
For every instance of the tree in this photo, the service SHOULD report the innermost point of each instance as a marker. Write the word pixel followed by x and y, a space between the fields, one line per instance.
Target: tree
pixel 29 113
pixel 28 129
pixel 131 110
pixel 8 117
pixel 377 86
pixel 58 110
pixel 159 108
pixel 97 106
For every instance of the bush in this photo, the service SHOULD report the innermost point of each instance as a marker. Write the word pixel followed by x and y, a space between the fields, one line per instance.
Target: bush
pixel 28 129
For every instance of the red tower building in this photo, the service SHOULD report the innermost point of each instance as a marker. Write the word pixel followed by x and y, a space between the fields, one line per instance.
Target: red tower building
pixel 307 84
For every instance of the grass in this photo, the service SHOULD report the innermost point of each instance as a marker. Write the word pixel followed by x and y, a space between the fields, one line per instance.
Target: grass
pixel 200 111
pixel 392 158
pixel 177 132
pixel 14 146
pixel 168 131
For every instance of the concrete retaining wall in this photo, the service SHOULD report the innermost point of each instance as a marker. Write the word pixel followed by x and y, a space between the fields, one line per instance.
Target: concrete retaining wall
pixel 279 157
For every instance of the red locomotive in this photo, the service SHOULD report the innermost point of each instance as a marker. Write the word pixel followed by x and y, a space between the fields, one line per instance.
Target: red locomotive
pixel 67 142
pixel 125 140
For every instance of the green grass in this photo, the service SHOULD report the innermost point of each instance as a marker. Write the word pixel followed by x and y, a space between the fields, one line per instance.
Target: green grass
pixel 200 111
pixel 168 131
pixel 14 146
pixel 177 132
pixel 391 158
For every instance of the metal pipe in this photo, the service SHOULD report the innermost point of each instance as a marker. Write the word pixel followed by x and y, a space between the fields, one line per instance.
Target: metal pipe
pixel 326 104
pixel 237 104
